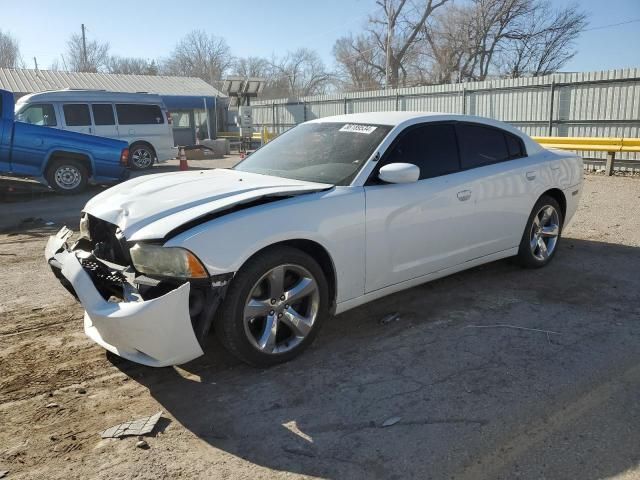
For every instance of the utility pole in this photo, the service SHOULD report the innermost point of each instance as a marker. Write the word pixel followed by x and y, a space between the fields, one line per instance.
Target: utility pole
pixel 84 49
pixel 35 61
pixel 390 25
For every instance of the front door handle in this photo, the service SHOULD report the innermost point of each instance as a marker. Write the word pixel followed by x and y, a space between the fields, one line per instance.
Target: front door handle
pixel 530 175
pixel 464 195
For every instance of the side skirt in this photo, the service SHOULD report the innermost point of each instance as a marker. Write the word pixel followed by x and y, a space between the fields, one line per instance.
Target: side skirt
pixel 383 292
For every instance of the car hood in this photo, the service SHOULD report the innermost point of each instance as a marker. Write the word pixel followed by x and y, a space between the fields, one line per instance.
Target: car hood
pixel 150 207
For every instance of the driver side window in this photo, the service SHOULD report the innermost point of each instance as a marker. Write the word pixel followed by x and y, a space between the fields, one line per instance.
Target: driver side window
pixel 432 147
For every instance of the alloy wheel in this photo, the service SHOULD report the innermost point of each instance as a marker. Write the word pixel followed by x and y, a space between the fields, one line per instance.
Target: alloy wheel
pixel 281 309
pixel 141 158
pixel 545 229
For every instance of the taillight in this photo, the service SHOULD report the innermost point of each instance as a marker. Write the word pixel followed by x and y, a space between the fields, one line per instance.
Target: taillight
pixel 124 157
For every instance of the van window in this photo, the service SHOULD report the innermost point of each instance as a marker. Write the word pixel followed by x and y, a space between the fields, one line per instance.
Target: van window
pixel 38 114
pixel 76 115
pixel 103 114
pixel 131 114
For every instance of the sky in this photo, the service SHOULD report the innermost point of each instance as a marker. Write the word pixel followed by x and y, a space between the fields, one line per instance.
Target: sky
pixel 150 28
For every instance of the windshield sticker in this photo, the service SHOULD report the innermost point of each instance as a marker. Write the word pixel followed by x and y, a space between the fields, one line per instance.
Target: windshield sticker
pixel 352 127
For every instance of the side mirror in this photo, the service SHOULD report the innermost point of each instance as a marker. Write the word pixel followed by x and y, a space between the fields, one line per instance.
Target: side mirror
pixel 399 173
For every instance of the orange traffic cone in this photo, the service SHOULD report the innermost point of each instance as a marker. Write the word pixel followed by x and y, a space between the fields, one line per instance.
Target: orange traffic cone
pixel 183 160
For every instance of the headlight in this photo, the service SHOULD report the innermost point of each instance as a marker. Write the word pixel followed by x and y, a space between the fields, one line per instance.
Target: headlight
pixel 84 227
pixel 166 261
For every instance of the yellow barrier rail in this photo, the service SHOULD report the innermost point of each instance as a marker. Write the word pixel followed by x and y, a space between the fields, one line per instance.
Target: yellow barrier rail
pixel 263 136
pixel 610 145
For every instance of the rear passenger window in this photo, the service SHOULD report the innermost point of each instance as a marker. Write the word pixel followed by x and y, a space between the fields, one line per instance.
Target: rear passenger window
pixel 430 147
pixel 514 145
pixel 131 114
pixel 76 115
pixel 481 145
pixel 103 114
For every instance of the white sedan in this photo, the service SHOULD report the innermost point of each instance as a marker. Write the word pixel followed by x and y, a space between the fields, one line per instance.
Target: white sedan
pixel 333 214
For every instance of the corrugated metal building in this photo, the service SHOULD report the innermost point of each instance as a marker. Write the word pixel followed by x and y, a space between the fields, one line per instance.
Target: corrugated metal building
pixel 191 101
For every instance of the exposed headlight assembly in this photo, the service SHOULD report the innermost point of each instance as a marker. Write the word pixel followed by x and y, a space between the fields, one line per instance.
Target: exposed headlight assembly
pixel 154 260
pixel 84 227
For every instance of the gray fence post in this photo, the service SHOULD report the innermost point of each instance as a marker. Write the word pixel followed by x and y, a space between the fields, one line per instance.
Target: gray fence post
pixel 464 101
pixel 608 168
pixel 273 118
pixel 552 94
pixel 345 105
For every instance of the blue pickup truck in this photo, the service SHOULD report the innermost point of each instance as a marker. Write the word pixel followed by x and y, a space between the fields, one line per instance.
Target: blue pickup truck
pixel 66 161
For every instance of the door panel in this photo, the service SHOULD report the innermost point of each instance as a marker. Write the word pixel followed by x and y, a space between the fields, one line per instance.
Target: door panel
pixel 143 122
pixel 416 228
pixel 104 121
pixel 30 143
pixel 502 183
pixel 77 117
pixel 5 142
pixel 503 196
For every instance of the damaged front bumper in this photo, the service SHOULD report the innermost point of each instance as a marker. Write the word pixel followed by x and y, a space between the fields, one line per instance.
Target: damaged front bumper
pixel 157 332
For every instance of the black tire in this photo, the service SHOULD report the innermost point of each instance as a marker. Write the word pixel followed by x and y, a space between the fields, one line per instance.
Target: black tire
pixel 141 156
pixel 230 325
pixel 526 254
pixel 67 176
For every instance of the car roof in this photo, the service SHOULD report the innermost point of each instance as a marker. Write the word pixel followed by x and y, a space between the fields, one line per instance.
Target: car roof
pixel 78 95
pixel 402 119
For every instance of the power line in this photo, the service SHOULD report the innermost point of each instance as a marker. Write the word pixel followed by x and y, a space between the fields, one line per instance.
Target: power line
pixel 611 25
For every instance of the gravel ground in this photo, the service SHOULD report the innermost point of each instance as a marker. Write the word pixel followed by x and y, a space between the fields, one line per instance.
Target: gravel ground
pixel 496 372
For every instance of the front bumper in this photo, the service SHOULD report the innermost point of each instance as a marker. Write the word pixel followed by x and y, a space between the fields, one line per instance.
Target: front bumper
pixel 156 332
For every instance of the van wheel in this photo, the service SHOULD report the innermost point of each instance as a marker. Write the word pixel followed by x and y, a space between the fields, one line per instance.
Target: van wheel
pixel 141 156
pixel 67 176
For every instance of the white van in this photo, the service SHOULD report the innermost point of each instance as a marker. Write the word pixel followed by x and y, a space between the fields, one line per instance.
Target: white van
pixel 141 119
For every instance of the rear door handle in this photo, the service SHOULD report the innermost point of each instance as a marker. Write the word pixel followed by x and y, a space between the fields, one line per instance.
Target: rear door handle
pixel 464 195
pixel 530 175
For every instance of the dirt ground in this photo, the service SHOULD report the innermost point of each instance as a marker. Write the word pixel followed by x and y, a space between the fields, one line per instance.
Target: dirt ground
pixel 497 372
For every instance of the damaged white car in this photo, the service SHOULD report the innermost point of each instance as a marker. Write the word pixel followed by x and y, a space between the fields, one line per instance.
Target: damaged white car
pixel 330 215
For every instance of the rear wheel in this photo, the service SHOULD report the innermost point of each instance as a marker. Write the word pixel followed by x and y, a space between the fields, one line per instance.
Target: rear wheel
pixel 142 156
pixel 274 307
pixel 542 233
pixel 67 176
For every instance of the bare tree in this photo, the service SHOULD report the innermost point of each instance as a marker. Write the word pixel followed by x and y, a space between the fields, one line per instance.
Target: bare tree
pixel 494 37
pixel 95 60
pixel 394 32
pixel 297 74
pixel 252 67
pixel 9 51
pixel 357 71
pixel 200 55
pixel 546 42
pixel 131 66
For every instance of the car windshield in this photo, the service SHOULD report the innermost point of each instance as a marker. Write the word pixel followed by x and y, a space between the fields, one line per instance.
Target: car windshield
pixel 317 152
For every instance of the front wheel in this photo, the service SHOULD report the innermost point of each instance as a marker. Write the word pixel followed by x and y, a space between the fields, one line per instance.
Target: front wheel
pixel 274 307
pixel 542 233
